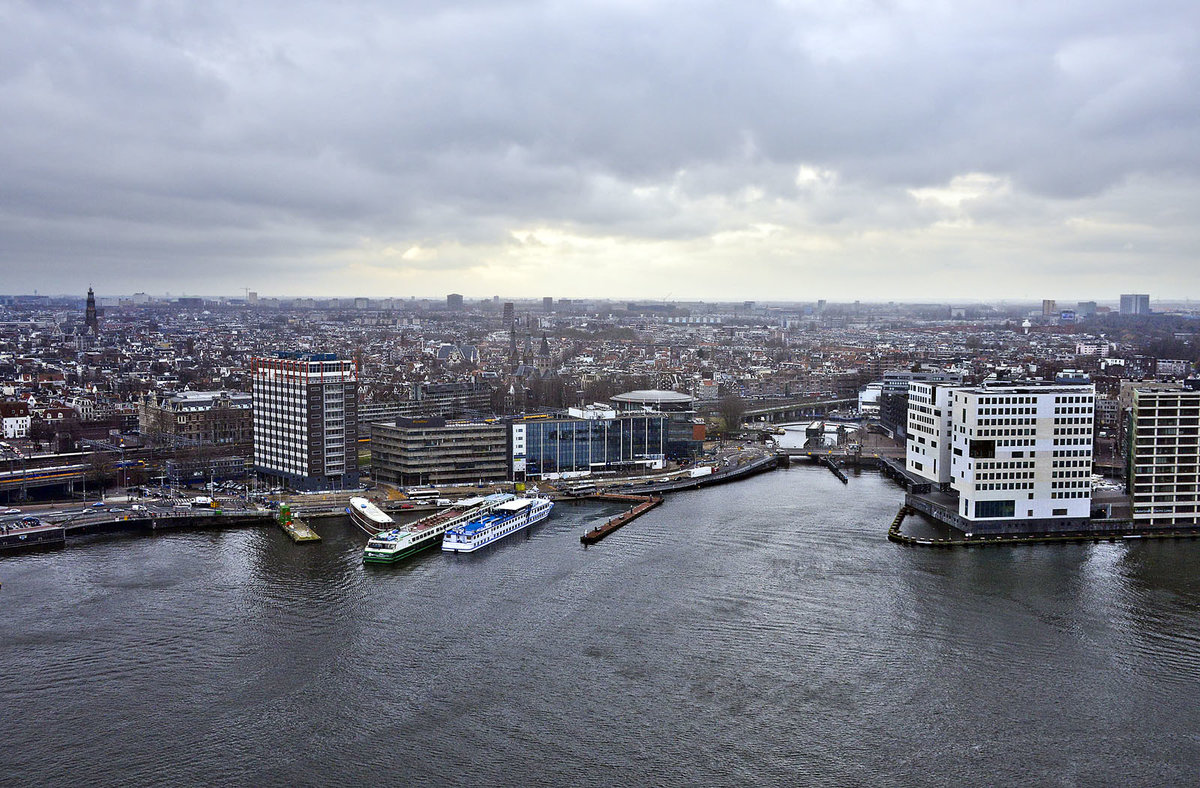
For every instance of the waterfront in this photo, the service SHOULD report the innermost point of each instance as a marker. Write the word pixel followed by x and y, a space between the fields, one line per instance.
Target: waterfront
pixel 763 632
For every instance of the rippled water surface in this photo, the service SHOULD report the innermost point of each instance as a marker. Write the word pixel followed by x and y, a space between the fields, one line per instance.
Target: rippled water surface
pixel 763 632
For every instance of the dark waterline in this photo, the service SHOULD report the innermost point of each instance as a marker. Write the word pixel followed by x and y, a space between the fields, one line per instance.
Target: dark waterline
pixel 763 632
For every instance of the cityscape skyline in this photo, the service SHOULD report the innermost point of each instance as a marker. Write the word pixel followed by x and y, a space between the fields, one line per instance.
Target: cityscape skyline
pixel 909 153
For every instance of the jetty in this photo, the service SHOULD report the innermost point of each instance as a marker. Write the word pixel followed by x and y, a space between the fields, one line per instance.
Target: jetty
pixel 641 505
pixel 296 529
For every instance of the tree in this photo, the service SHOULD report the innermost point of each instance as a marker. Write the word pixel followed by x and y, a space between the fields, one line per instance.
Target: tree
pixel 732 409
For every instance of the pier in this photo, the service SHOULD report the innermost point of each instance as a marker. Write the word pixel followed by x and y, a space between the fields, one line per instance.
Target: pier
pixel 836 471
pixel 642 504
pixel 296 529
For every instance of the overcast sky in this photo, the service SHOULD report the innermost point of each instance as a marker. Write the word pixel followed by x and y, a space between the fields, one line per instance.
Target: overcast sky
pixel 726 150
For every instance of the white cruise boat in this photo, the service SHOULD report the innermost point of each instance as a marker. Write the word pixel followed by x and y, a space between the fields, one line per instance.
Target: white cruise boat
pixel 368 516
pixel 505 519
pixel 396 543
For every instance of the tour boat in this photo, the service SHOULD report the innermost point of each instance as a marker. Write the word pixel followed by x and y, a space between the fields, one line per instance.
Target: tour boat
pixel 396 543
pixel 505 519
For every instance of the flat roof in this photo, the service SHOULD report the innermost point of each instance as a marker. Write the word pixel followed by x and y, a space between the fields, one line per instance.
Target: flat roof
pixel 652 395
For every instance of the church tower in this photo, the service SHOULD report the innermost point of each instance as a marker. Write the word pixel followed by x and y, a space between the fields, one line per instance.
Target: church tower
pixel 90 320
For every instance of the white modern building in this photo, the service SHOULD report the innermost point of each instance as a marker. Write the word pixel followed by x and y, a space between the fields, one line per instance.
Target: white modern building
pixel 1164 461
pixel 306 420
pixel 928 445
pixel 1016 451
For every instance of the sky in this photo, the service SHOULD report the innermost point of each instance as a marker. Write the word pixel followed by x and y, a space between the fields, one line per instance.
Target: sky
pixel 777 151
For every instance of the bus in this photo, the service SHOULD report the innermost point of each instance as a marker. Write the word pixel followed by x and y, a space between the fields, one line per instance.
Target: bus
pixel 422 494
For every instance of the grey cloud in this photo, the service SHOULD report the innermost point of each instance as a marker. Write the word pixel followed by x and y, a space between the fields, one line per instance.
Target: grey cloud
pixel 280 132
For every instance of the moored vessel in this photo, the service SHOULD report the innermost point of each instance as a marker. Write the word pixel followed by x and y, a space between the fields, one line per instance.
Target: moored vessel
pixel 396 543
pixel 368 516
pixel 505 519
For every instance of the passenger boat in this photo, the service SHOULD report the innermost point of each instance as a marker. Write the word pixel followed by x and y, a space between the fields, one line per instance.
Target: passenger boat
pixel 505 519
pixel 368 516
pixel 396 543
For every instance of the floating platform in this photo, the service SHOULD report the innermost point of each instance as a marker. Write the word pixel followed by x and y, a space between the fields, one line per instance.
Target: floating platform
pixel 299 532
pixel 642 505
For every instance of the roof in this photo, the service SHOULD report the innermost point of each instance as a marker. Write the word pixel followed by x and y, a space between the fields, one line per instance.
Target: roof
pixel 652 395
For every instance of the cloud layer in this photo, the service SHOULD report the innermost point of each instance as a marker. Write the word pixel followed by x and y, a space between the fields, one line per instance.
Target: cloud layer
pixel 786 150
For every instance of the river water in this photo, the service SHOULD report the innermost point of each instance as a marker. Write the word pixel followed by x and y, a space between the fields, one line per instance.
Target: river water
pixel 760 633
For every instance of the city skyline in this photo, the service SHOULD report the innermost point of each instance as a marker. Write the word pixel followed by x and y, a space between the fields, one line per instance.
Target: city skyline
pixel 911 153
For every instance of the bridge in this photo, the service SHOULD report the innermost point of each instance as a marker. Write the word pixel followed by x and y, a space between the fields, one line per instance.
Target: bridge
pixel 798 409
pixel 21 479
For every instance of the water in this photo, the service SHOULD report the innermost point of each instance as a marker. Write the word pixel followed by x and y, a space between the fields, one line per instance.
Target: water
pixel 763 632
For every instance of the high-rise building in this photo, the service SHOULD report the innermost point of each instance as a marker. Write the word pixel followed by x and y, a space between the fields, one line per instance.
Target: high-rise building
pixel 1135 304
pixel 454 302
pixel 547 304
pixel 1164 466
pixel 508 314
pixel 1049 307
pixel 306 420
pixel 1086 309
pixel 1019 455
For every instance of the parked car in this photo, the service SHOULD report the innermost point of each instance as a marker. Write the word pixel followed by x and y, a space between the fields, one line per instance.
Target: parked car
pixel 12 511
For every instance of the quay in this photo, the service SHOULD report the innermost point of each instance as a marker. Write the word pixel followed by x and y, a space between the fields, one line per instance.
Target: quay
pixel 25 538
pixel 642 504
pixel 1120 530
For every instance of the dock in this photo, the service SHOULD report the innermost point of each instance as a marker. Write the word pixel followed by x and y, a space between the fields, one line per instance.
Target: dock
pixel 642 504
pixel 296 529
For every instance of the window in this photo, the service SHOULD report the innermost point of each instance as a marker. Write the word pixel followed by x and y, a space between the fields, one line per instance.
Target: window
pixel 989 509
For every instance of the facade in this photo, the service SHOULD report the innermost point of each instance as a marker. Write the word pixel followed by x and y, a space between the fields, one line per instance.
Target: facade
pixel 1135 304
pixel 928 431
pixel 431 450
pixel 306 420
pixel 454 302
pixel 589 440
pixel 1164 469
pixel 15 420
pixel 684 434
pixel 1020 455
pixel 198 417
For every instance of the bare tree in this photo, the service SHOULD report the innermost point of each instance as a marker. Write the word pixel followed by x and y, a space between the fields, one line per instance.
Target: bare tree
pixel 732 409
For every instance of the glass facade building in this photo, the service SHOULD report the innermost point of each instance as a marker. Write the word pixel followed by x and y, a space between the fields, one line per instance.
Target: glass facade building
pixel 571 445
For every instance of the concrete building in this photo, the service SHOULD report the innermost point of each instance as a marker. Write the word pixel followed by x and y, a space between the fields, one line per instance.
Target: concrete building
pixel 431 450
pixel 454 302
pixel 928 431
pixel 1135 304
pixel 306 420
pixel 1020 454
pixel 197 417
pixel 1164 457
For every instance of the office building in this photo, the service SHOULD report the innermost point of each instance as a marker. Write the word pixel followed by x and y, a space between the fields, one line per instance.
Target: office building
pixel 589 440
pixel 306 420
pixel 1164 466
pixel 1135 304
pixel 430 450
pixel 1020 454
